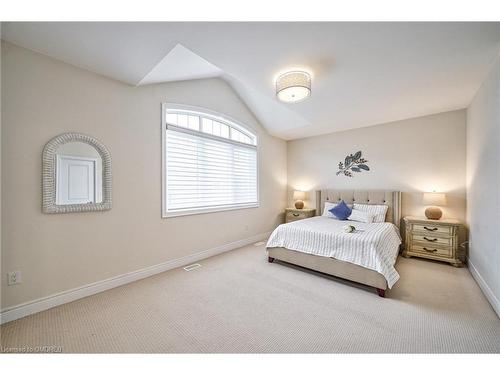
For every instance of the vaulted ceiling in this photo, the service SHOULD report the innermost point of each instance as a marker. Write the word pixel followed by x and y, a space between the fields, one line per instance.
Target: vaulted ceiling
pixel 363 73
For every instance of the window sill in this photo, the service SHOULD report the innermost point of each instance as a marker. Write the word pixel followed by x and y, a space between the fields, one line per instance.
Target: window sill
pixel 166 214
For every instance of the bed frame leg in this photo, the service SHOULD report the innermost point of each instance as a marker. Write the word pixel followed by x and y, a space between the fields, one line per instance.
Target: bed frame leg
pixel 270 259
pixel 381 292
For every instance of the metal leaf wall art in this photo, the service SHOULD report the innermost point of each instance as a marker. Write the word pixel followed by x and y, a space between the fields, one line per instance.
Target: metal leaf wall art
pixel 353 163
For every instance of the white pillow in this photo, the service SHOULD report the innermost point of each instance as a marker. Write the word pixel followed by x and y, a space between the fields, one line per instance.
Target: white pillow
pixel 378 210
pixel 329 206
pixel 361 216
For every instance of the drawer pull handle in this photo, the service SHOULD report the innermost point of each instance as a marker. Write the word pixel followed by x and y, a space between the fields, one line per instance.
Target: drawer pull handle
pixel 430 239
pixel 430 250
pixel 295 215
pixel 431 229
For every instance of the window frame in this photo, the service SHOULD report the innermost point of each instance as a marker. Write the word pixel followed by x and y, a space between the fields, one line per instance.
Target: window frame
pixel 204 112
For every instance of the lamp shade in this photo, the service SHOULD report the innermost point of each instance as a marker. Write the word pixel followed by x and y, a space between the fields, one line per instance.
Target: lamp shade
pixel 293 86
pixel 299 195
pixel 434 199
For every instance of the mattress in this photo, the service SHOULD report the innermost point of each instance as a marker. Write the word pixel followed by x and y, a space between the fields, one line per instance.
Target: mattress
pixel 374 246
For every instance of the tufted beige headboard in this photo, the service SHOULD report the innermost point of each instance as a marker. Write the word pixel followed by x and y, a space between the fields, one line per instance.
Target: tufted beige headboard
pixel 390 198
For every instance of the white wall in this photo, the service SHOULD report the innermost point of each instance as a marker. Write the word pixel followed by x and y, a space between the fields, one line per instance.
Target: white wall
pixel 42 98
pixel 415 155
pixel 483 185
pixel 2 276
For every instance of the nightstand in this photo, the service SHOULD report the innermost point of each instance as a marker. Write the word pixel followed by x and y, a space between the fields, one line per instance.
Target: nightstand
pixel 294 214
pixel 432 239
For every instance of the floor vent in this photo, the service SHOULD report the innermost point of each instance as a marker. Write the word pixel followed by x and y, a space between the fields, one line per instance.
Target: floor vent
pixel 259 243
pixel 192 267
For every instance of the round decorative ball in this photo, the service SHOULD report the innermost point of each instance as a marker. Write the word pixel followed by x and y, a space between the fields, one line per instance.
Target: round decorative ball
pixel 299 205
pixel 433 213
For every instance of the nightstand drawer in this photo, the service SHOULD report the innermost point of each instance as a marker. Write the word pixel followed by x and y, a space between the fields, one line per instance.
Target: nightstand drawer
pixel 292 216
pixel 430 239
pixel 444 251
pixel 440 230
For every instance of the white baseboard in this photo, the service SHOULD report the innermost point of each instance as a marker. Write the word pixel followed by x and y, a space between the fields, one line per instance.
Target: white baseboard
pixel 15 312
pixel 493 300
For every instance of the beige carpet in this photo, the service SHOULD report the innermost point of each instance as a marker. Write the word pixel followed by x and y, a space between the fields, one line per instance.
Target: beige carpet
pixel 237 302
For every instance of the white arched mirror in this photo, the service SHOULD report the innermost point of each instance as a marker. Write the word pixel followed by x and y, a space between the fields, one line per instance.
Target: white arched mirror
pixel 76 174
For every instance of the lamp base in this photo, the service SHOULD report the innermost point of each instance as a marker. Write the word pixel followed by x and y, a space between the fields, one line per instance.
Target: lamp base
pixel 433 213
pixel 299 205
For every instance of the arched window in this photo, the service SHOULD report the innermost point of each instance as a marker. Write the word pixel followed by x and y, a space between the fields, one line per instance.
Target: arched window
pixel 209 162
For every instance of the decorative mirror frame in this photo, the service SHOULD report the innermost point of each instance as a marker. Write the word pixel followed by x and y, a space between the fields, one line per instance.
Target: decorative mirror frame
pixel 49 205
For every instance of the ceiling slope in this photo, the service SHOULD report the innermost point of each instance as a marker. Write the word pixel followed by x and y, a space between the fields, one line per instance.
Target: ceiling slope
pixel 363 73
pixel 180 64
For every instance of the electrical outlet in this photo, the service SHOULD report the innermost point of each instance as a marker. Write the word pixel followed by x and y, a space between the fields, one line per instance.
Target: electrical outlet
pixel 13 278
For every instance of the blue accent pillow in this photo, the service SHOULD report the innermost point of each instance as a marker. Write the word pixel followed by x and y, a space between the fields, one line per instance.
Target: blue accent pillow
pixel 341 211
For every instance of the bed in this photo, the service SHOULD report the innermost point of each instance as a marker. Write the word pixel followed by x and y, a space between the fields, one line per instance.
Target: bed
pixel 366 256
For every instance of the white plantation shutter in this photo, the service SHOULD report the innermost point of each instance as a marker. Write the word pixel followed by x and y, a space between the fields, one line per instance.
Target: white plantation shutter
pixel 207 173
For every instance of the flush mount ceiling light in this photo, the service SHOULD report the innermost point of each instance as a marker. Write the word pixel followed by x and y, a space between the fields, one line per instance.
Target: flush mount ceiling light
pixel 292 87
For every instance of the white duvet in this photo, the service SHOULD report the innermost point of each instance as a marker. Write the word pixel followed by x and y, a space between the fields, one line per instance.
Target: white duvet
pixel 374 246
